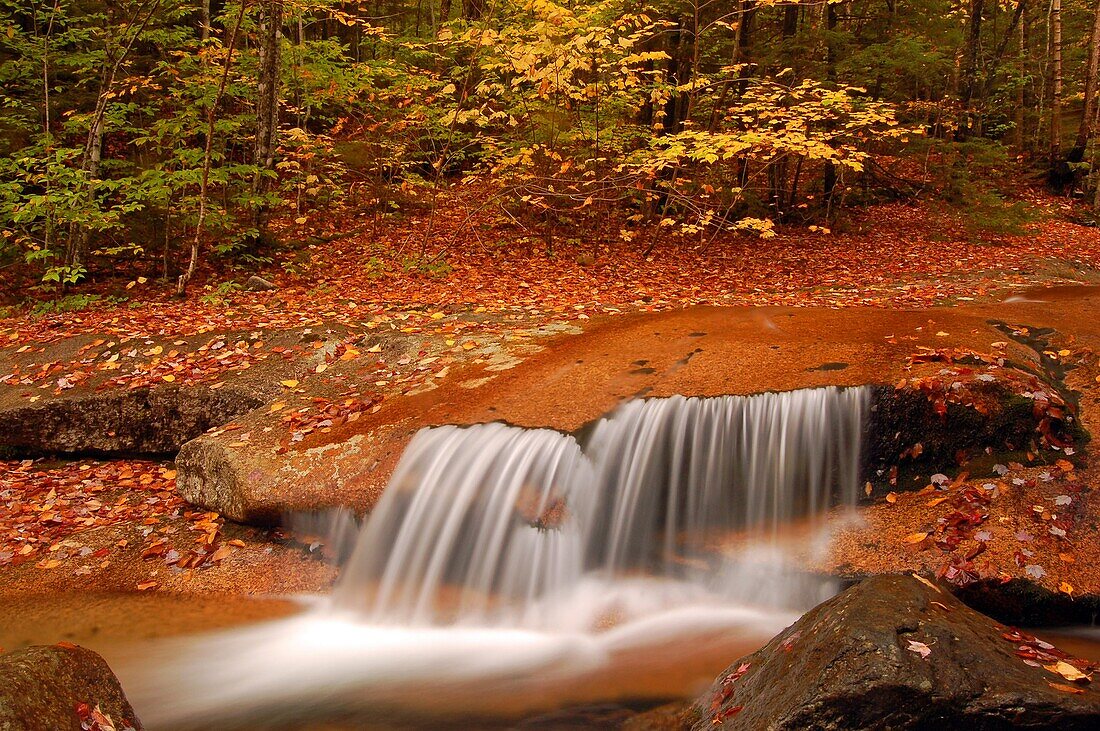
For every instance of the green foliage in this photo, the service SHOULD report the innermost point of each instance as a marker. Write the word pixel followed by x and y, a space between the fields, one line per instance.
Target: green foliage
pixel 117 118
pixel 68 303
pixel 221 294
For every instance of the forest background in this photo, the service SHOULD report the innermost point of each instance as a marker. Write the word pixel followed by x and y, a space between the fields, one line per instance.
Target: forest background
pixel 169 140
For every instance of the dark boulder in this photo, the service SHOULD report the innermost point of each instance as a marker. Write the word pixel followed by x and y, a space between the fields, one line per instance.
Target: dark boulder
pixel 58 688
pixel 154 420
pixel 896 653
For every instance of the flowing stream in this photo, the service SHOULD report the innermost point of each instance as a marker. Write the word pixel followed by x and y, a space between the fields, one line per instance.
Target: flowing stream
pixel 507 571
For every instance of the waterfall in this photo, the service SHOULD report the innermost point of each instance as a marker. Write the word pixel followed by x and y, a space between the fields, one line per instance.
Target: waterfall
pixel 494 524
pixel 506 571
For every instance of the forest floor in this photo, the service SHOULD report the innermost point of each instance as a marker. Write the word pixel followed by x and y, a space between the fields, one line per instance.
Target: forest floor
pixel 428 276
pixel 350 268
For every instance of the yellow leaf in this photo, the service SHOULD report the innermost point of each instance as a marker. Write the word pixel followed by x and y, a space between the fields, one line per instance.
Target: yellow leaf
pixel 321 368
pixel 915 537
pixel 936 501
pixel 930 585
pixel 1067 671
pixel 375 348
pixel 1066 588
pixel 892 497
pixel 437 315
pixel 168 378
pixel 277 406
pixel 290 383
pixel 1064 353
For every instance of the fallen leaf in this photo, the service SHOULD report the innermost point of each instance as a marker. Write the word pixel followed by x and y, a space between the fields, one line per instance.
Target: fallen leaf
pixel 915 537
pixel 926 582
pixel 1035 571
pixel 289 383
pixel 1065 688
pixel 920 648
pixel 1067 671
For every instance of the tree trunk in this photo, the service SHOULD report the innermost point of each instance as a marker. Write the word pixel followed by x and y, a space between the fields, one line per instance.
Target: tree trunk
pixel 1056 79
pixel 1020 133
pixel 790 19
pixel 207 156
pixel 473 9
pixel 1058 168
pixel 204 31
pixel 1084 130
pixel 829 175
pixel 76 252
pixel 267 110
pixel 970 68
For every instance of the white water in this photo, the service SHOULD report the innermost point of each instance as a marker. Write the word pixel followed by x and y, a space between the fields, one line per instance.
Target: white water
pixel 508 570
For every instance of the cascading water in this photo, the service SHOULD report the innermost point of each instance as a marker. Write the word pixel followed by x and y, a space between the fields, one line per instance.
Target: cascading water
pixel 514 519
pixel 535 563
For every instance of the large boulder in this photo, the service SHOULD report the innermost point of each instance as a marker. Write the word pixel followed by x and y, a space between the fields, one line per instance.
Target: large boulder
pixel 155 420
pixel 896 652
pixel 115 395
pixel 61 687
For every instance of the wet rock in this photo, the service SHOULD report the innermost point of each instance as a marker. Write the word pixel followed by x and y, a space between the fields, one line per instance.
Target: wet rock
pixel 893 652
pixel 58 687
pixel 154 420
pixel 259 284
pixel 280 470
pixel 901 419
pixel 255 484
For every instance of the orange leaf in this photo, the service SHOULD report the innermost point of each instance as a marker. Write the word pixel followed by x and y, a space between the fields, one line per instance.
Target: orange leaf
pixel 1065 688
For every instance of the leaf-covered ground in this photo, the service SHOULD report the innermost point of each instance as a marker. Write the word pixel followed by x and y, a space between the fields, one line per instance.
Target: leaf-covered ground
pixel 355 271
